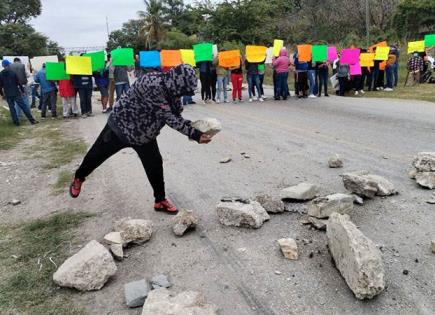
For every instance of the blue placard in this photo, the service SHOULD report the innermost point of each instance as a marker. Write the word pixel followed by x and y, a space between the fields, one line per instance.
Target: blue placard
pixel 149 59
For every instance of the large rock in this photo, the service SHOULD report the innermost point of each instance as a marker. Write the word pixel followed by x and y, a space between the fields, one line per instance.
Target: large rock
pixel 335 162
pixel 87 270
pixel 134 230
pixel 250 214
pixel 424 162
pixel 323 207
pixel 210 126
pixel 183 221
pixel 289 248
pixel 270 204
pixel 367 185
pixel 136 292
pixel 356 257
pixel 302 191
pixel 426 179
pixel 161 302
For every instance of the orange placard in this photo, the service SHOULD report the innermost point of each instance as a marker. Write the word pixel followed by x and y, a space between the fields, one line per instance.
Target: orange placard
pixel 229 59
pixel 382 65
pixel 170 58
pixel 256 53
pixel 304 52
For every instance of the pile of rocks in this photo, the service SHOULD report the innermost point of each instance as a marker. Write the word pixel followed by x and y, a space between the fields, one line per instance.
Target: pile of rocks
pixel 423 169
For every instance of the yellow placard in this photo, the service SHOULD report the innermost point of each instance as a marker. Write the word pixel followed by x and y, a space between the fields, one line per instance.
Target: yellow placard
pixel 78 65
pixel 416 46
pixel 382 53
pixel 188 57
pixel 367 59
pixel 256 53
pixel 277 45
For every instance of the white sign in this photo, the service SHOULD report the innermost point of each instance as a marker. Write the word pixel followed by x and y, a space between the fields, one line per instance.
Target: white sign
pixel 37 62
pixel 269 55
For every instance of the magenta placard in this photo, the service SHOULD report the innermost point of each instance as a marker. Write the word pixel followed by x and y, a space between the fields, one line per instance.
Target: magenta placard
pixel 355 69
pixel 350 56
pixel 332 53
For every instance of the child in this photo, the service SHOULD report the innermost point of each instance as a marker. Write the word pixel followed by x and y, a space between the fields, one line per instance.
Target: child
pixel 237 81
pixel 68 95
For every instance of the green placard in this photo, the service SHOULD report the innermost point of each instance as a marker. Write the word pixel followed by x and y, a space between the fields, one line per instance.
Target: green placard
pixel 203 52
pixel 429 40
pixel 320 53
pixel 122 57
pixel 98 60
pixel 55 71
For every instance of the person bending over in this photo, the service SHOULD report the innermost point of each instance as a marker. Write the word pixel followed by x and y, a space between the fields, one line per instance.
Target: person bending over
pixel 136 120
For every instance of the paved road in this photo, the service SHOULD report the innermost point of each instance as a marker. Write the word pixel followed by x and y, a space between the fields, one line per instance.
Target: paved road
pixel 288 142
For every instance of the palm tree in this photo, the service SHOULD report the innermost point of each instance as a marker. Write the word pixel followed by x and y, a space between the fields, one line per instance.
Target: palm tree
pixel 153 20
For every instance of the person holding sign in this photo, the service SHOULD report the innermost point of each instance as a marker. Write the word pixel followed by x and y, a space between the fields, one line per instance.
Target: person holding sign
pixel 68 95
pixel 136 120
pixel 49 93
pixel 281 66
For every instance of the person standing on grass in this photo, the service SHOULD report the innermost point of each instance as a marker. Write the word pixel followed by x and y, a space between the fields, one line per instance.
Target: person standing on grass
pixel 396 65
pixel 83 85
pixel 343 74
pixel 389 70
pixel 11 88
pixel 102 82
pixel 415 68
pixel 20 70
pixel 136 120
pixel 237 82
pixel 68 95
pixel 49 93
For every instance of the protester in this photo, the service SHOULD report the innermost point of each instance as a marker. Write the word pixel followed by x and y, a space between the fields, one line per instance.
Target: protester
pixel 102 82
pixel 253 80
pixel 205 78
pixel 136 121
pixel 34 87
pixel 312 78
pixel 68 95
pixel 343 73
pixel 213 79
pixel 281 66
pixel 20 70
pixel 12 90
pixel 120 75
pixel 415 68
pixel 389 70
pixel 301 69
pixel 261 71
pixel 323 69
pixel 222 82
pixel 396 65
pixel 237 82
pixel 83 85
pixel 49 93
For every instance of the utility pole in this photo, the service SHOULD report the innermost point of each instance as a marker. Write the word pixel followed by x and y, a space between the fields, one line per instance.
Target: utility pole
pixel 107 27
pixel 368 23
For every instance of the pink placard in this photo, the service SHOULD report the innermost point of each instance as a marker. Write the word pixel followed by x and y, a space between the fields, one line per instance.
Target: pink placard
pixel 350 56
pixel 355 69
pixel 332 53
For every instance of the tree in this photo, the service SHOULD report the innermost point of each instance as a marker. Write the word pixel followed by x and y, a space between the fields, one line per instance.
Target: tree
pixel 175 39
pixel 414 18
pixel 153 22
pixel 129 36
pixel 13 11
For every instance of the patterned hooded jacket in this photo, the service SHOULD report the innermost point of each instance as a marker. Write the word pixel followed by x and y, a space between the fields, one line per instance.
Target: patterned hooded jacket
pixel 152 102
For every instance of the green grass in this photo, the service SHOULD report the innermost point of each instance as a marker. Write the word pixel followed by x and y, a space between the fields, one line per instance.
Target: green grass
pixel 63 180
pixel 10 135
pixel 26 287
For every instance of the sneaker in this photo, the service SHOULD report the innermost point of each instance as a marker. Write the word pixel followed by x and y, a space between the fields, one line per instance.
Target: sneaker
pixel 378 89
pixel 250 100
pixel 75 188
pixel 261 99
pixel 34 122
pixel 226 101
pixel 264 97
pixel 388 90
pixel 312 96
pixel 104 111
pixel 218 101
pixel 166 206
pixel 356 93
pixel 240 100
pixel 381 88
pixel 362 91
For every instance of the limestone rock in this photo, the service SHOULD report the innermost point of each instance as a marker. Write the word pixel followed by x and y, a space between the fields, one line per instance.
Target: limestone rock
pixel 209 126
pixel 161 302
pixel 424 162
pixel 426 179
pixel 225 160
pixel 134 230
pixel 270 204
pixel 251 215
pixel 117 251
pixel 317 223
pixel 323 207
pixel 183 221
pixel 302 191
pixel 356 257
pixel 113 238
pixel 367 185
pixel 289 248
pixel 160 281
pixel 87 270
pixel 335 162
pixel 136 292
pixel 15 202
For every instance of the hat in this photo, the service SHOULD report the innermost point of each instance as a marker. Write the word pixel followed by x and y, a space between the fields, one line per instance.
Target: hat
pixel 5 63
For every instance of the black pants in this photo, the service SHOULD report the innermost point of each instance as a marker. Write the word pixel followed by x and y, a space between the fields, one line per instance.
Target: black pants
pixel 213 81
pixel 205 79
pixel 342 81
pixel 323 81
pixel 85 95
pixel 108 143
pixel 302 83
pixel 49 102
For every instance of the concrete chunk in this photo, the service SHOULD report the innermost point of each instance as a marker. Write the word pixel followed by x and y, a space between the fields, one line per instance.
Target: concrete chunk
pixel 426 179
pixel 302 191
pixel 289 248
pixel 335 162
pixel 136 292
pixel 368 185
pixel 209 126
pixel 113 238
pixel 323 207
pixel 160 281
pixel 185 220
pixel 270 204
pixel 251 215
pixel 134 230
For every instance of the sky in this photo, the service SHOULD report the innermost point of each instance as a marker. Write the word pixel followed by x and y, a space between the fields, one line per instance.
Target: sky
pixel 82 23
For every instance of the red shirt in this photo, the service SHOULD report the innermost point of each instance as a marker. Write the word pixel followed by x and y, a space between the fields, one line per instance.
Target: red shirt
pixel 66 88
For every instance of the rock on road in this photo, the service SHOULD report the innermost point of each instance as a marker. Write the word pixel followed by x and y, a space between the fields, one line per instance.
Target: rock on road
pixel 288 143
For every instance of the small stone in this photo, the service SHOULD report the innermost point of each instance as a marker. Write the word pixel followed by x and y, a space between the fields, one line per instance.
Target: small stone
pixel 136 292
pixel 185 220
pixel 270 204
pixel 225 160
pixel 209 126
pixel 405 272
pixel 416 260
pixel 246 156
pixel 277 272
pixel 302 191
pixel 289 248
pixel 335 162
pixel 317 223
pixel 311 255
pixel 113 238
pixel 134 230
pixel 322 207
pixel 358 200
pixel 251 215
pixel 160 281
pixel 15 202
pixel 117 251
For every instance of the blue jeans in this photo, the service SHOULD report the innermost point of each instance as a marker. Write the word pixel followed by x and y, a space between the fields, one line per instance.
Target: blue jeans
pixel 253 80
pixel 18 101
pixel 389 70
pixel 25 98
pixel 281 85
pixel 187 99
pixel 396 73
pixel 222 83
pixel 312 81
pixel 35 94
pixel 323 81
pixel 121 89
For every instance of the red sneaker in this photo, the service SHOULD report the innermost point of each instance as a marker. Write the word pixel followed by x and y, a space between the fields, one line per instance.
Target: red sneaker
pixel 75 187
pixel 166 206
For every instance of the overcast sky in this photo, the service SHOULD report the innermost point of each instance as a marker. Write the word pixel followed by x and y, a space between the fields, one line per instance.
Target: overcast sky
pixel 81 23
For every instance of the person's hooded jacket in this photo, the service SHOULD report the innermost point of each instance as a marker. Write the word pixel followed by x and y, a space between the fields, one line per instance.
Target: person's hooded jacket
pixel 152 102
pixel 282 63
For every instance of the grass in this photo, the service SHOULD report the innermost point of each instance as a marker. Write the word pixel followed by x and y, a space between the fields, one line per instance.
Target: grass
pixel 10 135
pixel 26 269
pixel 63 180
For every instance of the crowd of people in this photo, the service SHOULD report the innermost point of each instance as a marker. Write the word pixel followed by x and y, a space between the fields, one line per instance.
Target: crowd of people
pixel 310 79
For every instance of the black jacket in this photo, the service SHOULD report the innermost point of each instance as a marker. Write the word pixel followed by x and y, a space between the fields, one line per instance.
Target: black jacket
pixel 9 84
